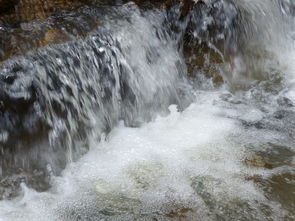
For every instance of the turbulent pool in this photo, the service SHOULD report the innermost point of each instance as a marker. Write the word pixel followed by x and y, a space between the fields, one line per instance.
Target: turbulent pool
pixel 153 116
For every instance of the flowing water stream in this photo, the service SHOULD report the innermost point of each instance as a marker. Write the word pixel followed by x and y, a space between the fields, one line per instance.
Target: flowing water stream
pixel 151 116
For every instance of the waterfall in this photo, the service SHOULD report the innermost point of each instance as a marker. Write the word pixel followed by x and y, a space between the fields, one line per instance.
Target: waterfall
pixel 152 113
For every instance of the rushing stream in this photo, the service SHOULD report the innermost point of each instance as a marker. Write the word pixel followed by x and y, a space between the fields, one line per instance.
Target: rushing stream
pixel 153 115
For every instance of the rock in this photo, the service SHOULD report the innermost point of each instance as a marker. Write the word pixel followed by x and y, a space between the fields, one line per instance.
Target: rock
pixel 27 26
pixel 54 36
pixel 7 6
pixel 285 102
pixel 213 21
pixel 258 162
pixel 180 213
pixel 201 58
pixel 27 10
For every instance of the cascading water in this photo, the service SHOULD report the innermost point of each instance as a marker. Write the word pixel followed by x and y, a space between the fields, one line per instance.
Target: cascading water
pixel 82 88
pixel 127 123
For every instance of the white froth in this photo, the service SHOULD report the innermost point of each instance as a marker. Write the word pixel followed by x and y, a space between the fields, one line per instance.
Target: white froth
pixel 161 162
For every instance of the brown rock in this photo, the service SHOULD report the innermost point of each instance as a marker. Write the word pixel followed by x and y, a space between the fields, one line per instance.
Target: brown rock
pixel 54 36
pixel 180 213
pixel 257 162
pixel 26 10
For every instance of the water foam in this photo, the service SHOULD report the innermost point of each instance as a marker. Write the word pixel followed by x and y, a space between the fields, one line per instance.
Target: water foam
pixel 185 160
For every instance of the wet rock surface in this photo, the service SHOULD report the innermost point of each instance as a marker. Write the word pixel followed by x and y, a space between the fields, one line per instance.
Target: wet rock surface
pixel 33 24
pixel 18 36
pixel 19 11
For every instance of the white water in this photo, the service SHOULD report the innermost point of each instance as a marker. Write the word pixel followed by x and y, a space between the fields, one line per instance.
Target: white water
pixel 193 160
pixel 185 160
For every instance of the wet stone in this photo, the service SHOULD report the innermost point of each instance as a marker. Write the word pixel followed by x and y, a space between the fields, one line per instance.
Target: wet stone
pixel 181 213
pixel 258 162
pixel 27 10
pixel 286 102
pixel 54 36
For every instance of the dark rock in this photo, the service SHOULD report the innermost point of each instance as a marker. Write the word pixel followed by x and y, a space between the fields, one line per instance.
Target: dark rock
pixel 27 10
pixel 285 102
pixel 212 20
pixel 288 7
pixel 7 6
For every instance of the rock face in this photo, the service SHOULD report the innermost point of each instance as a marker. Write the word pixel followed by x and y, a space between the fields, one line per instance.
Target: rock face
pixel 27 10
pixel 15 11
pixel 25 25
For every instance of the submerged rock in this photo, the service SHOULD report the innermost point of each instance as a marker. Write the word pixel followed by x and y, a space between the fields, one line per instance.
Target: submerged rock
pixel 180 213
pixel 258 162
